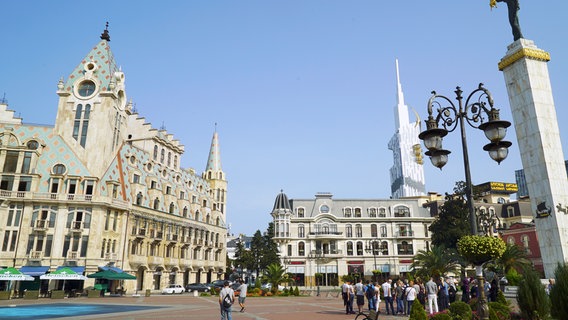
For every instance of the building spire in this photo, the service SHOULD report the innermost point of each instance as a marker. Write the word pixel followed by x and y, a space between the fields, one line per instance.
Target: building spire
pixel 105 35
pixel 399 94
pixel 214 161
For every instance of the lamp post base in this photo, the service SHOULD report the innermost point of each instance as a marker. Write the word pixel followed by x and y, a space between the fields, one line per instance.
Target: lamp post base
pixel 482 306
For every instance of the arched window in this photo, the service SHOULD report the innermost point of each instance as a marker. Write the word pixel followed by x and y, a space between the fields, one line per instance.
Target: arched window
pixel 383 231
pixel 175 162
pixel 358 231
pixel 384 248
pixel 162 155
pixel 156 204
pixel 347 212
pixel 382 213
pixel 301 212
pixel 185 212
pixel 349 248
pixel 357 212
pixel 359 248
pixel 155 152
pixel 373 212
pixel 511 240
pixel 348 231
pixel 169 159
pixel 172 207
pixel 525 241
pixel 301 249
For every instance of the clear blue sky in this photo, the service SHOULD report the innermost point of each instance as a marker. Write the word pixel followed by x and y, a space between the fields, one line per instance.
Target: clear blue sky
pixel 303 92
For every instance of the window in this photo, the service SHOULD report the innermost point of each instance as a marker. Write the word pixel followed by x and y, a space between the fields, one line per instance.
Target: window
pixel 525 241
pixel 139 198
pixel 162 155
pixel 383 231
pixel 135 178
pixel 11 161
pixel 511 240
pixel 89 185
pixel 59 169
pixel 289 250
pixel 357 212
pixel 7 183
pixel 156 204
pixel 348 231
pixel 359 248
pixel 301 212
pixel 301 249
pixel 175 162
pixel 373 212
pixel 510 212
pixel 324 209
pixel 382 212
pixel 172 207
pixel 168 190
pixel 349 248
pixel 81 123
pixel 25 184
pixel 153 184
pixel 401 211
pixel 26 163
pixel 405 248
pixel 347 212
pixel 32 145
pixel 301 231
pixel 155 155
pixel 182 195
pixel 374 230
pixel 358 231
pixel 86 88
pixel 169 159
pixel 384 248
pixel 185 212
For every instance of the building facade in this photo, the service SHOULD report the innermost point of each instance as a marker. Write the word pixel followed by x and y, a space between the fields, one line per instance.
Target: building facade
pixel 328 238
pixel 101 187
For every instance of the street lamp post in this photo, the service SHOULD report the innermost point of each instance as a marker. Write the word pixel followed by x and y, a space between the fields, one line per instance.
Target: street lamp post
pixel 316 255
pixel 372 246
pixel 477 115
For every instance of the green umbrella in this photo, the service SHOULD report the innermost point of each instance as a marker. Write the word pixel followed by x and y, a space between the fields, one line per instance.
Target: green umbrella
pixel 63 274
pixel 14 274
pixel 111 275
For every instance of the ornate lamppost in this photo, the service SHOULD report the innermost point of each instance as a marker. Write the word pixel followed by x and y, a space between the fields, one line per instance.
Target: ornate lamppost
pixel 372 246
pixel 479 113
pixel 317 255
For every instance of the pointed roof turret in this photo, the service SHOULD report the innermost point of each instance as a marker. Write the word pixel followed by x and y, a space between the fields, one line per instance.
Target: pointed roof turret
pixel 97 64
pixel 281 202
pixel 214 160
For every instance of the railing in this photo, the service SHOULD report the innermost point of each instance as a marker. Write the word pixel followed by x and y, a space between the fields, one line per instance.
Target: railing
pixel 36 255
pixel 111 256
pixel 77 226
pixel 405 233
pixel 41 224
pixel 72 255
pixel 173 237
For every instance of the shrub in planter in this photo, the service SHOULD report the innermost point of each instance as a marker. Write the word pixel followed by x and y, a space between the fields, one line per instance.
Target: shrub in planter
pixel 296 291
pixel 480 249
pixel 257 291
pixel 460 310
pixel 531 297
pixel 417 312
pixel 268 294
pixel 499 311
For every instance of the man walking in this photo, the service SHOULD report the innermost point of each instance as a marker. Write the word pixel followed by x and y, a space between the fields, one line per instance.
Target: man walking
pixel 387 294
pixel 360 294
pixel 242 294
pixel 432 291
pixel 226 299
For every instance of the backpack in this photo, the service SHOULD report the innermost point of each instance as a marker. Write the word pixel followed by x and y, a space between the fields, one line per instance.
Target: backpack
pixel 370 291
pixel 227 301
pixel 404 292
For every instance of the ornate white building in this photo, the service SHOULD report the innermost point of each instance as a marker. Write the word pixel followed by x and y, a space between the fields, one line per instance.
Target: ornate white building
pixel 103 188
pixel 336 237
pixel 407 173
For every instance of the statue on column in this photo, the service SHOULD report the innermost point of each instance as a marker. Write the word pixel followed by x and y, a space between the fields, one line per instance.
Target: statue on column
pixel 513 6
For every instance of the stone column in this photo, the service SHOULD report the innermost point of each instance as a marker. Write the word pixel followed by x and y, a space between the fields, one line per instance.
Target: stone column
pixel 530 97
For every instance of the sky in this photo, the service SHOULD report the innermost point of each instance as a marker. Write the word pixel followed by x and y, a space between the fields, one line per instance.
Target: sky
pixel 301 93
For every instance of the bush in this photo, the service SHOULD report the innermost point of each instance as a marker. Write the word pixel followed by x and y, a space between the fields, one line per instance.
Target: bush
pixel 532 298
pixel 499 311
pixel 257 291
pixel 460 310
pixel 268 294
pixel 501 298
pixel 441 316
pixel 417 312
pixel 559 292
pixel 257 283
pixel 513 277
pixel 296 291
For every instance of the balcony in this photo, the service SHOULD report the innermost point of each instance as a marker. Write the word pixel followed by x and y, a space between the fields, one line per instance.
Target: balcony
pixel 141 233
pixel 282 235
pixel 76 226
pixel 41 225
pixel 405 234
pixel 72 256
pixel 155 261
pixel 111 256
pixel 172 237
pixel 325 234
pixel 137 261
pixel 36 256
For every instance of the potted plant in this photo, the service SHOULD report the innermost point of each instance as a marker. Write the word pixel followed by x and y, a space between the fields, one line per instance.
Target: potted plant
pixel 480 249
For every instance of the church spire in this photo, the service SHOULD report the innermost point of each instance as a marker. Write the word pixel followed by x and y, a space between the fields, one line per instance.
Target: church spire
pixel 214 160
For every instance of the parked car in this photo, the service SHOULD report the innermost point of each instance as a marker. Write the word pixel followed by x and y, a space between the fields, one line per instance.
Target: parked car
pixel 173 288
pixel 268 286
pixel 218 284
pixel 199 287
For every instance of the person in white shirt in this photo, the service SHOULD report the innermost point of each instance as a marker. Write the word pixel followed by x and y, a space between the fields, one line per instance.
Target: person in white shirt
pixel 387 294
pixel 242 294
pixel 229 294
pixel 410 296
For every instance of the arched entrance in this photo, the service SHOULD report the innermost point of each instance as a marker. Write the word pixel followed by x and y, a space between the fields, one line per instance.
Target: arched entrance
pixel 157 278
pixel 140 273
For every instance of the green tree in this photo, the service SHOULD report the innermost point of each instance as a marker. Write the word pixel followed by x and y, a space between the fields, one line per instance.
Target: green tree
pixel 256 252
pixel 243 258
pixel 274 274
pixel 270 248
pixel 559 292
pixel 452 221
pixel 531 297
pixel 514 257
pixel 436 262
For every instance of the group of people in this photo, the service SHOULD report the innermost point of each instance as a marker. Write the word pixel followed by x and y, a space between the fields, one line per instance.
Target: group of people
pixel 470 289
pixel 227 298
pixel 438 294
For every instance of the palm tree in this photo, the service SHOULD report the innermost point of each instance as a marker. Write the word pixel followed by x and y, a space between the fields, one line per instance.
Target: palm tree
pixel 514 257
pixel 274 274
pixel 435 262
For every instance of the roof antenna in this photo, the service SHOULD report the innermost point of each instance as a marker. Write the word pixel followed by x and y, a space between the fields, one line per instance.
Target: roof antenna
pixel 105 35
pixel 163 127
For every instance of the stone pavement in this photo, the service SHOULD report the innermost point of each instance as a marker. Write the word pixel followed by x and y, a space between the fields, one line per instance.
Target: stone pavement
pixel 186 306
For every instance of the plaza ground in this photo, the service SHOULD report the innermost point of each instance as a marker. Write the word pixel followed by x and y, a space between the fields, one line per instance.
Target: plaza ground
pixel 185 306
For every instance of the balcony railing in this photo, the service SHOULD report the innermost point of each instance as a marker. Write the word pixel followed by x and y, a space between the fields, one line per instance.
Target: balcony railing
pixel 77 226
pixel 405 233
pixel 41 225
pixel 72 255
pixel 36 255
pixel 111 256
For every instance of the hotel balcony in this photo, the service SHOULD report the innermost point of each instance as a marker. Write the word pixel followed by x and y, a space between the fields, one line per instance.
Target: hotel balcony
pixel 325 235
pixel 404 234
